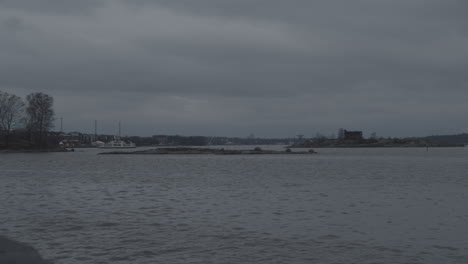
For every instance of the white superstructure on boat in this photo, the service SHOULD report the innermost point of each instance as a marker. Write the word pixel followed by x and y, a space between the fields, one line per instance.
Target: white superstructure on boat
pixel 117 143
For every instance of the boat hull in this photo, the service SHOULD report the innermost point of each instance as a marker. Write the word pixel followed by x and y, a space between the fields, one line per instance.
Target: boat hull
pixel 118 144
pixel 129 147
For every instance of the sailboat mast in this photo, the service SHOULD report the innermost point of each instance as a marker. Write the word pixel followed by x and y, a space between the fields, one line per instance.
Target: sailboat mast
pixel 119 129
pixel 95 130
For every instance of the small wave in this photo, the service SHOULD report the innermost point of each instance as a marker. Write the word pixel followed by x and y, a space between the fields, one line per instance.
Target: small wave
pixel 107 224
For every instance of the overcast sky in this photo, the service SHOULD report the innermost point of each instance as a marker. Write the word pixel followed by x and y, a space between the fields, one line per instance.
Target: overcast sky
pixel 274 68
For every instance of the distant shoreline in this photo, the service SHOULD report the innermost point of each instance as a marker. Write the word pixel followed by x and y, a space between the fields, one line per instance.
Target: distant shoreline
pixel 199 151
pixel 370 146
pixel 389 143
pixel 32 150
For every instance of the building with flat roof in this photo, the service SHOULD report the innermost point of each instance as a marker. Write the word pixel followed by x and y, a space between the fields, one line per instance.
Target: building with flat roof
pixel 352 135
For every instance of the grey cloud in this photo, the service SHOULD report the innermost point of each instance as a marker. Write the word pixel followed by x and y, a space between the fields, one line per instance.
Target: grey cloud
pixel 253 62
pixel 53 6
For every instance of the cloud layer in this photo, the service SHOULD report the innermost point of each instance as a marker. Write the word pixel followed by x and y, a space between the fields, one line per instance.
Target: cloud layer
pixel 221 67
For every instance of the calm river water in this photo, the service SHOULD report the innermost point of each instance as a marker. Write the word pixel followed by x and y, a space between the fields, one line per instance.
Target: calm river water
pixel 341 206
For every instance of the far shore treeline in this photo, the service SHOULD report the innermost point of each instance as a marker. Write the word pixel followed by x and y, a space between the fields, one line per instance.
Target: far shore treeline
pixel 25 122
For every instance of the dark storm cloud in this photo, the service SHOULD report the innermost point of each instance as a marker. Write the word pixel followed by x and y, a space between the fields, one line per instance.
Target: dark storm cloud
pixel 254 65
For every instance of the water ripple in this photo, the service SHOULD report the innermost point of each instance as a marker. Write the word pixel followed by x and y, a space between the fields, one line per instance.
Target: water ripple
pixel 344 206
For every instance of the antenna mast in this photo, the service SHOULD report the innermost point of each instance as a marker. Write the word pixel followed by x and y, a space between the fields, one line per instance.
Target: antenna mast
pixel 95 130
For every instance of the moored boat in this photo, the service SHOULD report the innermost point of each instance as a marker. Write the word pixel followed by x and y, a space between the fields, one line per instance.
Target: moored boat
pixel 118 144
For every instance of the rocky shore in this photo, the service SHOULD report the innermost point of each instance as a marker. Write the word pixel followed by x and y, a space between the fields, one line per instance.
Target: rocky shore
pixel 198 151
pixel 12 252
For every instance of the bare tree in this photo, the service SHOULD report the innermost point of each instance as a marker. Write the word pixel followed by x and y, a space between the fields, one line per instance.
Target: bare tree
pixel 11 113
pixel 3 99
pixel 40 115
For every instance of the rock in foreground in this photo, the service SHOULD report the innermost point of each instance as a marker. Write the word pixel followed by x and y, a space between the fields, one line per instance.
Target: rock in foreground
pixel 12 252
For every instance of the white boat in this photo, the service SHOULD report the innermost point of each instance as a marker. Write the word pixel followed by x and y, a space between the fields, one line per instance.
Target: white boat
pixel 117 144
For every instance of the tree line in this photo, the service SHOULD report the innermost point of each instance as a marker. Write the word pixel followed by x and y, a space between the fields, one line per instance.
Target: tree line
pixel 25 122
